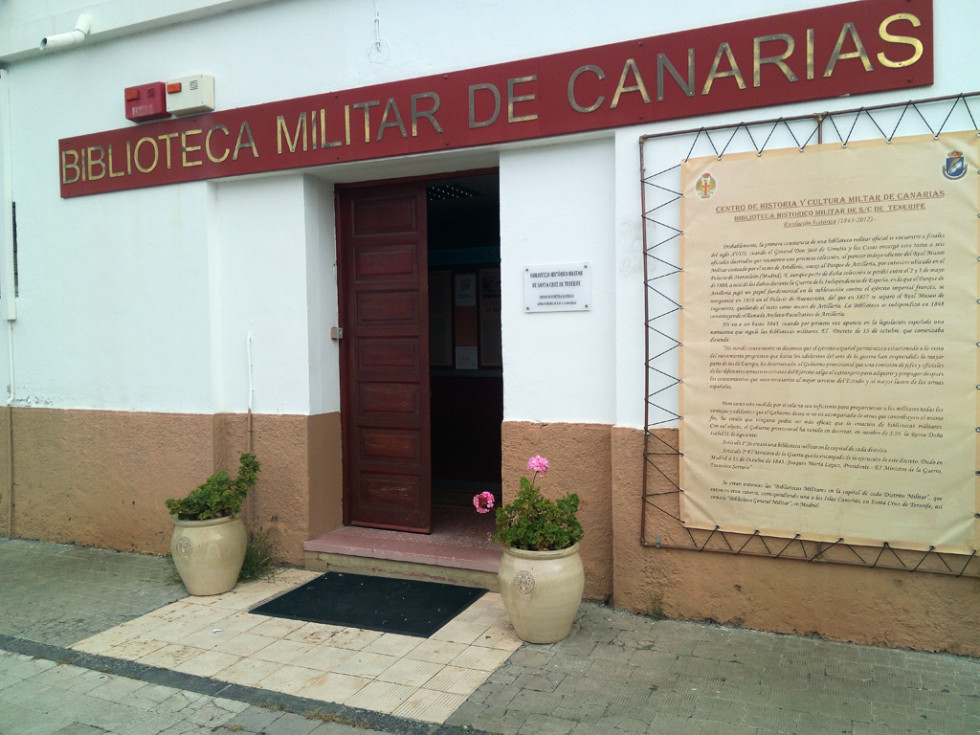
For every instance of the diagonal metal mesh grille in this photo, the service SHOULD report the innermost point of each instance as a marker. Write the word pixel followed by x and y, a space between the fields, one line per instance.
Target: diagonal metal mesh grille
pixel 660 157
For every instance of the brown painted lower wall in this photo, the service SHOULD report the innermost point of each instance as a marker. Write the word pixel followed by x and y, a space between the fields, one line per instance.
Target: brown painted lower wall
pixel 893 608
pixel 99 478
pixel 604 465
pixel 580 459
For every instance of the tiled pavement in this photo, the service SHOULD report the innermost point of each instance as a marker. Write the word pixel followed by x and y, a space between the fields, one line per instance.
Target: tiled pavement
pixel 102 642
pixel 216 637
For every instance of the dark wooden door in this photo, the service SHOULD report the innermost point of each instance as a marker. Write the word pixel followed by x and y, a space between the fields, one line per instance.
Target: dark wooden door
pixel 385 356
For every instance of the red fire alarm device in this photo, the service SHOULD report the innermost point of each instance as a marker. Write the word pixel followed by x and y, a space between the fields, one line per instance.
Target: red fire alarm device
pixel 146 102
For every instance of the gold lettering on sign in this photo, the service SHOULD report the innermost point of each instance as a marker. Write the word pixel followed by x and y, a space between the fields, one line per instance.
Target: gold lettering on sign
pixel 366 106
pixel 512 99
pixel 136 155
pixel 324 143
pixel 207 144
pixel 96 162
pixel 282 130
pixel 166 138
pixel 733 71
pixel 72 165
pixel 629 67
pixel 811 42
pixel 429 114
pixel 492 89
pixel 780 61
pixel 116 174
pixel 185 149
pixel 326 122
pixel 245 140
pixel 915 43
pixel 664 63
pixel 571 88
pixel 848 31
pixel 391 109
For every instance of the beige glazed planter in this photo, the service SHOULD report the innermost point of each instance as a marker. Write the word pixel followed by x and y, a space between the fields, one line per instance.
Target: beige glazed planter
pixel 209 554
pixel 542 591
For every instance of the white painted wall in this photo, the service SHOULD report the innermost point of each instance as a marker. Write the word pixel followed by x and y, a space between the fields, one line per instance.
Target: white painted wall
pixel 24 22
pixel 324 39
pixel 270 279
pixel 323 372
pixel 556 207
pixel 142 300
pixel 113 309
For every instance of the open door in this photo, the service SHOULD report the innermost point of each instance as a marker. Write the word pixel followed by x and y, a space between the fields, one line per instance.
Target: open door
pixel 385 356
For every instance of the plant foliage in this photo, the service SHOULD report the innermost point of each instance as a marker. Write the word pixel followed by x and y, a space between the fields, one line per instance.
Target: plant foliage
pixel 259 557
pixel 219 495
pixel 537 523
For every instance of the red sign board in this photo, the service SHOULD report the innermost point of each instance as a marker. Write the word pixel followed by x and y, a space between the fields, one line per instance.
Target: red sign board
pixel 846 49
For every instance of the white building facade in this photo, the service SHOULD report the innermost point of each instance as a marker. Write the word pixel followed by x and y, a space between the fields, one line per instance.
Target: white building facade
pixel 180 290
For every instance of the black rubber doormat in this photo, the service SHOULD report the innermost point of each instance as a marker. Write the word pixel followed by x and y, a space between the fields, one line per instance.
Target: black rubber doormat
pixel 408 607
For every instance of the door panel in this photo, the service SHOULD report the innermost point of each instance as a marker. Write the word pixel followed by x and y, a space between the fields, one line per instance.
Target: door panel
pixel 386 215
pixel 391 262
pixel 387 357
pixel 385 376
pixel 393 398
pixel 380 491
pixel 387 308
pixel 385 445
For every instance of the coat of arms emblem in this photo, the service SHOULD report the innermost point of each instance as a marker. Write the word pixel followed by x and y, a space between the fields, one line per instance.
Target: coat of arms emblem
pixel 955 167
pixel 705 186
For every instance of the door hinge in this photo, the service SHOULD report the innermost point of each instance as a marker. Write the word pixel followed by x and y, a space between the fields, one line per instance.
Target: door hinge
pixel 336 333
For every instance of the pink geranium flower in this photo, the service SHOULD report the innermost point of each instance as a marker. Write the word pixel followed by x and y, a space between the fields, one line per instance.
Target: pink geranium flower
pixel 537 463
pixel 483 502
pixel 532 521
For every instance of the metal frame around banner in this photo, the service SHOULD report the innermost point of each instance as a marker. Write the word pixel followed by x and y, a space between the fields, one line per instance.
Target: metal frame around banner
pixel 661 525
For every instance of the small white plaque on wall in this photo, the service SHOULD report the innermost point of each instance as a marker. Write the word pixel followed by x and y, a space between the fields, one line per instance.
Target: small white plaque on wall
pixel 566 287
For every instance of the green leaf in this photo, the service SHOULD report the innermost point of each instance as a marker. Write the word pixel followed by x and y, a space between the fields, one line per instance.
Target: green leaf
pixel 535 522
pixel 219 495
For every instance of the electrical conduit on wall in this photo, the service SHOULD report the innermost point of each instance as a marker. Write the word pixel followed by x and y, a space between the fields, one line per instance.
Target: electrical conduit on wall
pixel 7 288
pixel 248 426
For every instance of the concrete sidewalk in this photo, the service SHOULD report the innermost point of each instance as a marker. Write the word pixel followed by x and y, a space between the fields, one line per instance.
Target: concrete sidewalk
pixel 617 673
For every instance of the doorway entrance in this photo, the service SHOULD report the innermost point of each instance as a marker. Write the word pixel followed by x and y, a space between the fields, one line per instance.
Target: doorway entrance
pixel 421 371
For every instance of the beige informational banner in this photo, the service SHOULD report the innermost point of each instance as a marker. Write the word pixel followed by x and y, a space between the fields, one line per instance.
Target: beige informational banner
pixel 830 341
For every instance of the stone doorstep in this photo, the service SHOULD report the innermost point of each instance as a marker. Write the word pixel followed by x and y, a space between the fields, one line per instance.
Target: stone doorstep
pixel 354 564
pixel 451 560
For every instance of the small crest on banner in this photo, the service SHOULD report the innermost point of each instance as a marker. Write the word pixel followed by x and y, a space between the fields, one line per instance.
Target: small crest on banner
pixel 705 186
pixel 955 167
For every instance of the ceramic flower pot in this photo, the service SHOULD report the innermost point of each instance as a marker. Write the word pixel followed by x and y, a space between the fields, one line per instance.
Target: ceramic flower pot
pixel 542 591
pixel 209 554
